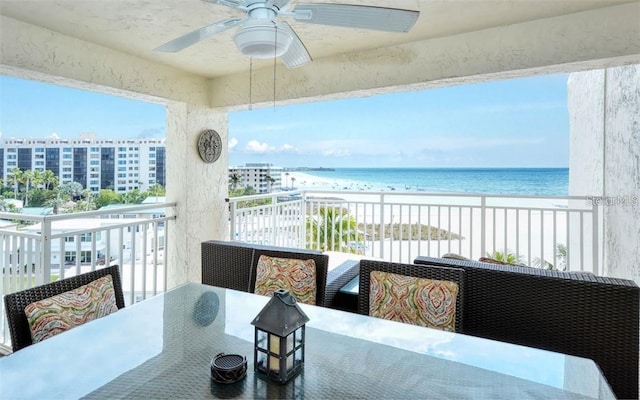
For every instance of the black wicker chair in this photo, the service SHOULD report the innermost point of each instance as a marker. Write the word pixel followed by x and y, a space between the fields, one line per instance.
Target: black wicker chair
pixel 232 264
pixel 573 313
pixel 15 303
pixel 441 273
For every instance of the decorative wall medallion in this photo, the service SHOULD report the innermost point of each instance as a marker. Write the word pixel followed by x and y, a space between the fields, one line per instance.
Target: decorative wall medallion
pixel 209 145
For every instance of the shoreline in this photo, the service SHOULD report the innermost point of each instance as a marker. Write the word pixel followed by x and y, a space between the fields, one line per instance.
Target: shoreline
pixel 307 181
pixel 512 182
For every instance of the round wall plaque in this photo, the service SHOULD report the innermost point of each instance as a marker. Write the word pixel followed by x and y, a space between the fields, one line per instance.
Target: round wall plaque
pixel 209 145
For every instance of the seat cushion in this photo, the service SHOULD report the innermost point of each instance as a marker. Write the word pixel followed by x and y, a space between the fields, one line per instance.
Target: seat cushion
pixel 417 301
pixel 59 313
pixel 295 275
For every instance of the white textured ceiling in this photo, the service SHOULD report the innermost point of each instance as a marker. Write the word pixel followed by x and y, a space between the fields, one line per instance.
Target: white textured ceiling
pixel 137 26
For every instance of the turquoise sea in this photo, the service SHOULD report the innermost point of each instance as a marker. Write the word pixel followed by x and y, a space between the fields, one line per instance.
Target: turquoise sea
pixel 524 181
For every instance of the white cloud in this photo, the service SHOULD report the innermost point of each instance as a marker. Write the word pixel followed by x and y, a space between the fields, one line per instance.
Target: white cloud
pixel 336 153
pixel 259 148
pixel 233 142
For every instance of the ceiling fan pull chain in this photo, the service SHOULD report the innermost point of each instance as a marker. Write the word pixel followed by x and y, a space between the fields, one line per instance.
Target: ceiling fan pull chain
pixel 275 55
pixel 250 83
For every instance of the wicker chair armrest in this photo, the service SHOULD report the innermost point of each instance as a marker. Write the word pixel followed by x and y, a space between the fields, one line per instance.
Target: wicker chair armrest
pixel 337 278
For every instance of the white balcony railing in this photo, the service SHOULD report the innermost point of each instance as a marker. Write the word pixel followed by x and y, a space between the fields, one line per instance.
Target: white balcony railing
pixel 39 249
pixel 549 232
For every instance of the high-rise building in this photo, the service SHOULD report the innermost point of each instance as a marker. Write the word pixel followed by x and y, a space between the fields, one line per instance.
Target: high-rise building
pixel 121 165
pixel 263 177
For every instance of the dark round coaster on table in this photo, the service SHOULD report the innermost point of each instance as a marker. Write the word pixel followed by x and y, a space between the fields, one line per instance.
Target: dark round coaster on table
pixel 228 368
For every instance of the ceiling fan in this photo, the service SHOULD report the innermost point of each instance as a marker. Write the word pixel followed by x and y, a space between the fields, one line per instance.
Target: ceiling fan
pixel 260 35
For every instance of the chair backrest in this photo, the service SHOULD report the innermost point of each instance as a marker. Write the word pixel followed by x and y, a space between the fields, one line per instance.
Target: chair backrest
pixel 15 303
pixel 418 271
pixel 227 264
pixel 232 264
pixel 583 315
pixel 321 261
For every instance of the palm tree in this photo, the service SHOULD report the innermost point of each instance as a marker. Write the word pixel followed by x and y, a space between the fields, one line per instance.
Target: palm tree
pixel 561 256
pixel 27 177
pixel 235 180
pixel 270 182
pixel 156 190
pixel 508 257
pixel 37 179
pixel 56 204
pixel 132 197
pixel 49 179
pixel 286 179
pixel 333 229
pixel 15 177
pixel 293 181
pixel 71 189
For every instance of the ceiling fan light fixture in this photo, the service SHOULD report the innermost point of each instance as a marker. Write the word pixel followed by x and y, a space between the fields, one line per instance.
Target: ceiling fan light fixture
pixel 262 39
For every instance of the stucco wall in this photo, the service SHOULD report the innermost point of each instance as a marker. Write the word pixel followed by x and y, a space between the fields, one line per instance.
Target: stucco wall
pixel 198 188
pixel 604 110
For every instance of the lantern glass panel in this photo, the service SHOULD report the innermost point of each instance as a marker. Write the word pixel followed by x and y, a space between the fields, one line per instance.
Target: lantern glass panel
pixel 261 359
pixel 298 336
pixel 262 339
pixel 299 355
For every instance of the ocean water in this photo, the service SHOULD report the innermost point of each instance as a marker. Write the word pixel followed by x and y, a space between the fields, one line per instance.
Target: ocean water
pixel 523 181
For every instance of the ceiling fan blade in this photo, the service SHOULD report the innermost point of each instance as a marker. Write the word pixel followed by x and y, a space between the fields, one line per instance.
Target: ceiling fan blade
pixel 297 55
pixel 378 18
pixel 239 4
pixel 280 4
pixel 196 36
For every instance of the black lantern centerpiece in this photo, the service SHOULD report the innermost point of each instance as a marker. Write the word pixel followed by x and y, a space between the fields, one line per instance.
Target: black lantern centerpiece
pixel 279 338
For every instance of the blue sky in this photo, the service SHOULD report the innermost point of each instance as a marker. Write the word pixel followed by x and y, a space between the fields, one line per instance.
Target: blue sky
pixel 512 123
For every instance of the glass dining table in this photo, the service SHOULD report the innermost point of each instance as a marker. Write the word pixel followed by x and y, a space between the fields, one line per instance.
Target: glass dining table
pixel 162 348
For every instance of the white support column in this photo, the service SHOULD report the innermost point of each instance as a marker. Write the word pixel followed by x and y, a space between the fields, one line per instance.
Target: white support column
pixel 198 188
pixel 604 109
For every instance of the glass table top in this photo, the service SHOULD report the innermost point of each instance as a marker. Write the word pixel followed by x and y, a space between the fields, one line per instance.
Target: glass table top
pixel 161 348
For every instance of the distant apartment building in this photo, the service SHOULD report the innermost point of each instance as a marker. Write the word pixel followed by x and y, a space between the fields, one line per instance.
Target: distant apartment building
pixel 122 165
pixel 263 177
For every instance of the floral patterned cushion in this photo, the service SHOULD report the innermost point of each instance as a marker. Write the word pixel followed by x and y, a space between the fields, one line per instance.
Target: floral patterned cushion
pixel 417 301
pixel 297 276
pixel 57 314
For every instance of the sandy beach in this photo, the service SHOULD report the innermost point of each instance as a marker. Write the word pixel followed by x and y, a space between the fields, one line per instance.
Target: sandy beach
pixel 306 181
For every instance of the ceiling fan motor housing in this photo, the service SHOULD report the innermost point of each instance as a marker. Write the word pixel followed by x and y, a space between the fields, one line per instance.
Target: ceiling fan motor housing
pixel 260 38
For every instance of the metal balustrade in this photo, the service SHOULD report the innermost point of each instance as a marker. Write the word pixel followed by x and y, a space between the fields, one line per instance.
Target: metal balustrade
pixel 547 232
pixel 40 249
pixel 560 232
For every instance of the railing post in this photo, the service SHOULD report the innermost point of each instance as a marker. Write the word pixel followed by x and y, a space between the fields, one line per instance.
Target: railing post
pixel 275 209
pixel 483 227
pixel 303 221
pixel 45 254
pixel 595 239
pixel 232 219
pixel 381 226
